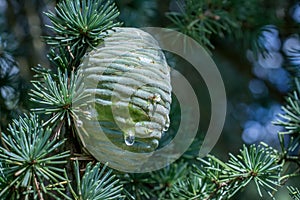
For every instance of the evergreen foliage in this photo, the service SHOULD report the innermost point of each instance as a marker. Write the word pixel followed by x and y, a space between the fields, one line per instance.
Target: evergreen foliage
pixel 294 192
pixel 55 94
pixel 77 23
pixel 290 118
pixel 31 164
pixel 201 19
pixel 96 183
pixel 36 164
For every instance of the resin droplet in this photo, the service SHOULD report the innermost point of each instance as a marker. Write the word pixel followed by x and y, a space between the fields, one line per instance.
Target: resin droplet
pixel 79 123
pixel 156 98
pixel 129 139
pixel 167 124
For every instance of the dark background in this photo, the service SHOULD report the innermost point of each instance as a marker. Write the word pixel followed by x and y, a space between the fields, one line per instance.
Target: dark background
pixel 254 96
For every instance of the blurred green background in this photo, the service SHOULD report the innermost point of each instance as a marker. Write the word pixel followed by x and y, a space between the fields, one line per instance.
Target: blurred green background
pixel 254 93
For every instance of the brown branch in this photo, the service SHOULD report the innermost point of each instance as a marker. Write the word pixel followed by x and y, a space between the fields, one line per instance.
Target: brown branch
pixel 38 188
pixel 58 129
pixel 2 141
